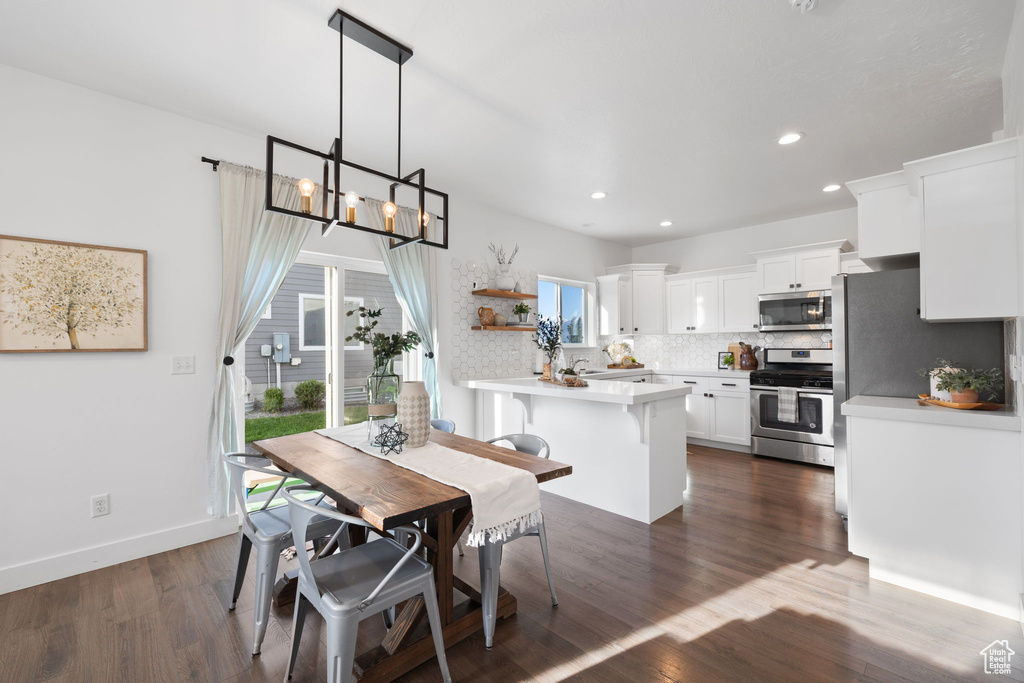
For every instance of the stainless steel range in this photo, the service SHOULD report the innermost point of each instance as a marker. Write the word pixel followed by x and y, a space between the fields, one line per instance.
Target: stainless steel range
pixel 805 435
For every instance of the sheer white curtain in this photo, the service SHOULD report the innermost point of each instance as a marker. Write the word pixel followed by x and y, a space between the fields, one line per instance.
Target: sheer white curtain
pixel 258 249
pixel 413 273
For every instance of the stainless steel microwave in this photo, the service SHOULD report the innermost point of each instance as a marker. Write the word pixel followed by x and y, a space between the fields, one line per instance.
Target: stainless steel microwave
pixel 795 311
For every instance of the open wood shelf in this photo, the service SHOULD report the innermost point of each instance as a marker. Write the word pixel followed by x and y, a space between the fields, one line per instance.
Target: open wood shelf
pixel 501 294
pixel 491 328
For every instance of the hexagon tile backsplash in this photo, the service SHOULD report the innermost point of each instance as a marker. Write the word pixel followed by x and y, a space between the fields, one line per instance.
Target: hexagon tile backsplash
pixel 700 351
pixel 477 354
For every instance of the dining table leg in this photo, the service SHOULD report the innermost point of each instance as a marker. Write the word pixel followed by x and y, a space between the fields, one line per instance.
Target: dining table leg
pixel 490 575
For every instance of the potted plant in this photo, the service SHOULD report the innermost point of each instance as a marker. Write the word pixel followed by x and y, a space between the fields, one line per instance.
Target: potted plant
pixel 504 281
pixel 382 386
pixel 522 310
pixel 569 375
pixel 964 386
pixel 549 340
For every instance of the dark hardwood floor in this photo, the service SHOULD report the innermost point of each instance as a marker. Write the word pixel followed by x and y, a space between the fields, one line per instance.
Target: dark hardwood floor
pixel 748 581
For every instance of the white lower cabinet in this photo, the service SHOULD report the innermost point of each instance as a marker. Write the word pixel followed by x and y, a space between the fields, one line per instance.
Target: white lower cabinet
pixel 730 417
pixel 718 409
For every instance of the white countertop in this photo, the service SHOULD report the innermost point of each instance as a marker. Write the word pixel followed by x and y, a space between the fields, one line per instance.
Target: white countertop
pixel 697 372
pixel 908 410
pixel 621 393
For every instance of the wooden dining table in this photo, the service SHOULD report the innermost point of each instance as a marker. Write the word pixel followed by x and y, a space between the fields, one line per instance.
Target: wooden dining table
pixel 387 496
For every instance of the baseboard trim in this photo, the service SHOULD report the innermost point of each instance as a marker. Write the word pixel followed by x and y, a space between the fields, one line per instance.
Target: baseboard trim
pixel 57 567
pixel 718 444
pixel 1003 609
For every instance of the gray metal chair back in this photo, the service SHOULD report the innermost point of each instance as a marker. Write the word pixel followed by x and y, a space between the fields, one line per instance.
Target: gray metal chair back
pixel 526 443
pixel 443 425
pixel 270 530
pixel 355 584
pixel 490 553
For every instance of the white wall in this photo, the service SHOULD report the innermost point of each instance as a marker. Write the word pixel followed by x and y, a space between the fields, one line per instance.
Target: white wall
pixel 85 167
pixel 733 247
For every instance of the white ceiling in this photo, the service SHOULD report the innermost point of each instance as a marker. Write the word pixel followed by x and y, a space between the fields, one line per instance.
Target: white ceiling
pixel 670 106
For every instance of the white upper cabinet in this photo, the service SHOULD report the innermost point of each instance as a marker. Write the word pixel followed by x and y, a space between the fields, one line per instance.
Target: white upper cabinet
pixel 968 224
pixel 815 269
pixel 678 306
pixel 615 304
pixel 852 263
pixel 648 302
pixel 705 304
pixel 887 217
pixel 737 302
pixel 776 274
pixel 640 298
pixel 806 268
pixel 691 304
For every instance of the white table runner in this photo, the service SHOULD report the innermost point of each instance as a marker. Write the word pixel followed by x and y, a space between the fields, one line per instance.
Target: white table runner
pixel 505 499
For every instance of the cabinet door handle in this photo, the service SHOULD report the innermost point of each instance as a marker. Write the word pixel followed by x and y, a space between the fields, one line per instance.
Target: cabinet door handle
pixel 636 329
pixel 798 284
pixel 726 384
pixel 621 329
pixel 689 381
pixel 791 286
pixel 756 326
pixel 711 395
pixel 705 395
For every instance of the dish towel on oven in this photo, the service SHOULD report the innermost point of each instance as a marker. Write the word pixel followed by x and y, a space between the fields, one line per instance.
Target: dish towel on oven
pixel 505 499
pixel 789 404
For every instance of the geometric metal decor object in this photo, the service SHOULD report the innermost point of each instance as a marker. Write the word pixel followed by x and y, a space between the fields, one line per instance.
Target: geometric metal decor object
pixel 390 438
pixel 335 210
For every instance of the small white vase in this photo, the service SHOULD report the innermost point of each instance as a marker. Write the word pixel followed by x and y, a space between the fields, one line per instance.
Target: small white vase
pixel 504 282
pixel 414 413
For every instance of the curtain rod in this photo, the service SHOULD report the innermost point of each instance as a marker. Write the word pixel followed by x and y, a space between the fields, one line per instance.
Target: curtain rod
pixel 214 162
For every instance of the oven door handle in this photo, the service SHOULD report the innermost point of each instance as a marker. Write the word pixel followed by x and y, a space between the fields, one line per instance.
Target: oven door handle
pixel 800 390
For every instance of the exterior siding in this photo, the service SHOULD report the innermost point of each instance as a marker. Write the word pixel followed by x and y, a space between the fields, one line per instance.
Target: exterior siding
pixel 373 288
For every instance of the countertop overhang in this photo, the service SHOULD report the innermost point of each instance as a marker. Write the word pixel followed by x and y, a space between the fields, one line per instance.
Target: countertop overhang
pixel 618 393
pixel 908 410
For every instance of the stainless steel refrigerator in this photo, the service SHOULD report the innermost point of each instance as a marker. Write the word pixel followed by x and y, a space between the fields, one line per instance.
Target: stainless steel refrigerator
pixel 880 343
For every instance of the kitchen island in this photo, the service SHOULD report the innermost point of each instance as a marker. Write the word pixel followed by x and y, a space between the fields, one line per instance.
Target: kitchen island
pixel 626 442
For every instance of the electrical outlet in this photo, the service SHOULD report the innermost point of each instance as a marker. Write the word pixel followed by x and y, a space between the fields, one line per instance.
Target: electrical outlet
pixel 183 365
pixel 101 505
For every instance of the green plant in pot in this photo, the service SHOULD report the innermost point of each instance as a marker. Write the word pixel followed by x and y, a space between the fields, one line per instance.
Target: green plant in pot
pixel 522 310
pixel 383 385
pixel 965 386
pixel 549 340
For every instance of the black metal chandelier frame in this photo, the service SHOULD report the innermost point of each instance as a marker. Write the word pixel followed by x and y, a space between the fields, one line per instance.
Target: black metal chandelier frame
pixel 332 213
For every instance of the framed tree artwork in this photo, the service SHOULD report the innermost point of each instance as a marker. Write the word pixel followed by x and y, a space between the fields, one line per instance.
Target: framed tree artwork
pixel 62 296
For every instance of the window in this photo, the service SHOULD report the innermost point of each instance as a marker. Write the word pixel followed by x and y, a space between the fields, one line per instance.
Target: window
pixel 573 302
pixel 312 322
pixel 349 322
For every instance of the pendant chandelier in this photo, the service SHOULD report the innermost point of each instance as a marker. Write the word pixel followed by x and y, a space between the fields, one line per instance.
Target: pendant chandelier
pixel 338 206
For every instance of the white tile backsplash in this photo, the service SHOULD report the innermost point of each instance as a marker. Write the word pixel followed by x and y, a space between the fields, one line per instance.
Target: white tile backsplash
pixel 700 351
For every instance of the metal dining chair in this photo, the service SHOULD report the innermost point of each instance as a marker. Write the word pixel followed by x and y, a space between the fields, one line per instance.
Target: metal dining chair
pixel 269 529
pixel 490 553
pixel 443 425
pixel 355 584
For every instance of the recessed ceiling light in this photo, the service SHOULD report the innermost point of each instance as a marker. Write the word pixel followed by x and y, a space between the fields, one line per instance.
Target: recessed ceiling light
pixel 665 224
pixel 830 188
pixel 599 195
pixel 790 138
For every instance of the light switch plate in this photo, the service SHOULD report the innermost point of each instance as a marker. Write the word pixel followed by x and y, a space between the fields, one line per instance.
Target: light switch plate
pixel 183 365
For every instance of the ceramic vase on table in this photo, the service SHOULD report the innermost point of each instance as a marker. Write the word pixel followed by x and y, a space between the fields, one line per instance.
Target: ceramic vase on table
pixel 414 413
pixel 382 388
pixel 504 281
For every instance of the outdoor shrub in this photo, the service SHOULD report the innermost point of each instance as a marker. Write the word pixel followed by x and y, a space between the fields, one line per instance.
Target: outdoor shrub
pixel 273 399
pixel 310 394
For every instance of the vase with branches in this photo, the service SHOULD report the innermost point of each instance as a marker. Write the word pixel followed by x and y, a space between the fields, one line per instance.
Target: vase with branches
pixel 548 339
pixel 504 281
pixel 383 385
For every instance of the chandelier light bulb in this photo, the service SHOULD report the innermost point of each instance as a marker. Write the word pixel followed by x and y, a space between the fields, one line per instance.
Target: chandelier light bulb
pixel 389 216
pixel 351 200
pixel 426 219
pixel 306 187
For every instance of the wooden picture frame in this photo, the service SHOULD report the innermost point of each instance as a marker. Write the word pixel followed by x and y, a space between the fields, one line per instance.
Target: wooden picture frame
pixel 70 297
